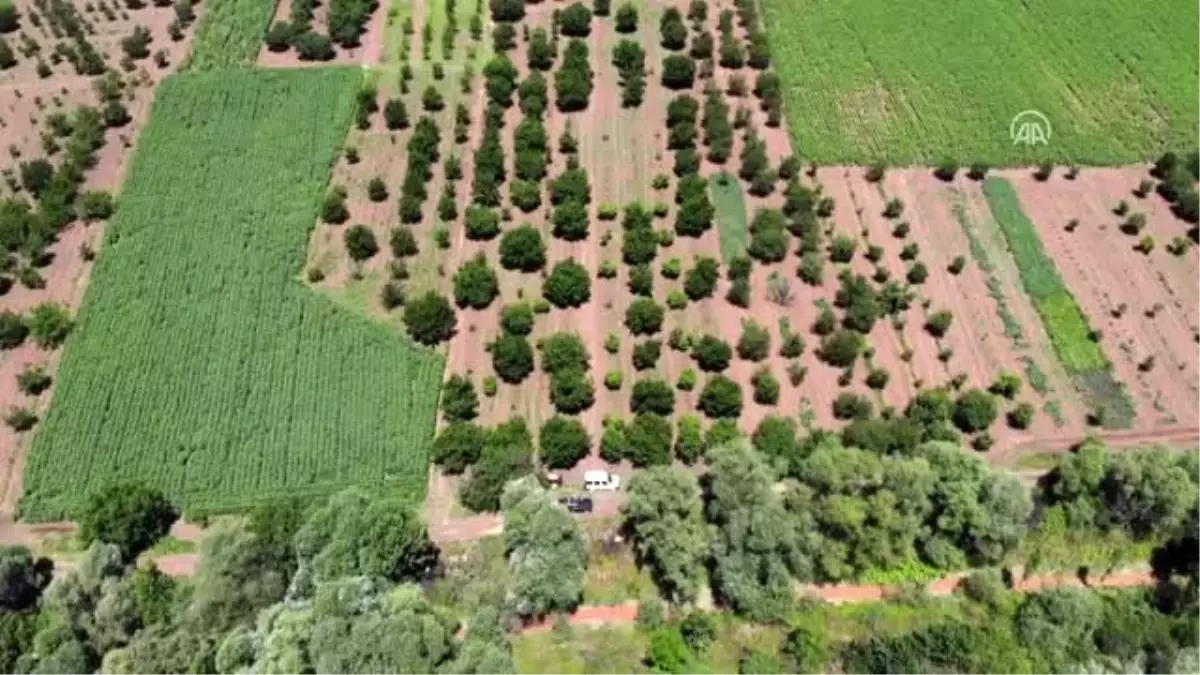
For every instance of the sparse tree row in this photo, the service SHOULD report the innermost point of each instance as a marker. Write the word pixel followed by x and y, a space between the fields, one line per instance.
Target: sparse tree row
pixel 346 21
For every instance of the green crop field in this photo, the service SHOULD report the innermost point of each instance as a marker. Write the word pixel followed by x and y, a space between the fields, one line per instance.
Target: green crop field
pixel 230 33
pixel 920 81
pixel 200 363
pixel 1068 328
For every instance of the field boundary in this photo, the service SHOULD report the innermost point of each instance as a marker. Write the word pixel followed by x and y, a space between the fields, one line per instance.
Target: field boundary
pixel 1065 323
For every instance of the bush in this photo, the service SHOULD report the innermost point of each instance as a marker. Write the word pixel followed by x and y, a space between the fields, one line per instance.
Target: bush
pixel 517 318
pixel 701 280
pixel 677 300
pixel 672 29
pixel 33 380
pixel 652 395
pixel 522 249
pixel 946 171
pixel 575 21
pixel 849 406
pixel 562 442
pixel 627 18
pixel 721 398
pixel 646 355
pixel 648 440
pixel 395 114
pixel 613 380
pixel 49 325
pixel 644 317
pixel 360 243
pixel 459 400
pixel 571 221
pixel 562 352
pixel 476 284
pixel 568 285
pixel 314 47
pixel 755 343
pixel 1007 385
pixel 938 323
pixel 403 243
pixel 571 391
pixel 429 319
pixel 1021 416
pixel 507 10
pixel 333 208
pixel 641 281
pixel 512 358
pixel 678 72
pixel 482 224
pixel 687 380
pixel 130 516
pixel 840 348
pixel 712 354
pixel 766 387
pixel 974 411
pixel 458 446
pixel 689 439
pixel 877 379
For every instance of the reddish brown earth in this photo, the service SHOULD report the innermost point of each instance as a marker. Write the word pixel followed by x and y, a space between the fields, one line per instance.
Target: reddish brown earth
pixel 25 102
pixel 1104 273
pixel 369 50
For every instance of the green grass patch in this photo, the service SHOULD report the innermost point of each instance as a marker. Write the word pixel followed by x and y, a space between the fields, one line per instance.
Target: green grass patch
pixel 200 363
pixel 607 649
pixel 1069 332
pixel 730 206
pixel 916 82
pixel 230 34
pixel 1054 546
pixel 910 572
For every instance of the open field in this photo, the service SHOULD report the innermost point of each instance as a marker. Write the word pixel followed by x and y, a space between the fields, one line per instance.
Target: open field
pixel 1145 307
pixel 223 381
pixel 230 34
pixel 918 82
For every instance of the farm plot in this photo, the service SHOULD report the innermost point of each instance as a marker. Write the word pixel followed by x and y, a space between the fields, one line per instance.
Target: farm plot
pixel 918 82
pixel 69 129
pixel 198 363
pixel 1140 299
pixel 230 34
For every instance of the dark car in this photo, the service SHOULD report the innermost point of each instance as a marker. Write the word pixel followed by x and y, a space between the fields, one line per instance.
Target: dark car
pixel 577 504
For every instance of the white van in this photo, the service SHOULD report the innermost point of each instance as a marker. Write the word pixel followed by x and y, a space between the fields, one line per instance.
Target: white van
pixel 601 481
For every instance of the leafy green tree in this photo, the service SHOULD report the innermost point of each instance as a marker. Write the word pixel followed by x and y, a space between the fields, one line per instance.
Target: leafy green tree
pixel 841 348
pixel 626 20
pixel 667 530
pixel 689 439
pixel 130 516
pixel 458 446
pixel 701 280
pixel 507 455
pixel 512 358
pixel 49 324
pixel 22 578
pixel 712 353
pixel 563 442
pixel 755 342
pixel 1059 624
pixel 648 440
pixel 541 50
pixel 517 318
pixel 356 533
pixel 476 284
pixel 482 224
pixel 775 437
pixel 575 20
pixel 547 551
pixel 568 285
pixel 652 395
pixel 429 318
pixel 523 249
pixel 13 329
pixel 721 398
pixel 460 403
pixel 571 391
pixel 644 317
pixel 563 351
pixel 974 411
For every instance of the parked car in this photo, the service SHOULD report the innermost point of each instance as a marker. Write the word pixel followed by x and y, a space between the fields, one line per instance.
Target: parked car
pixel 576 504
pixel 601 481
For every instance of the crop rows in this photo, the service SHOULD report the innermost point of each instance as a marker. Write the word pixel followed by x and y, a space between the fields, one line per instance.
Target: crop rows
pixel 1068 328
pixel 199 363
pixel 922 81
pixel 230 34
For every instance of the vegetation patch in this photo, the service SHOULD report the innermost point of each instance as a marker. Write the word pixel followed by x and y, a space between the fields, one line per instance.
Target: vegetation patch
pixel 1075 343
pixel 859 87
pixel 199 363
pixel 730 205
pixel 230 34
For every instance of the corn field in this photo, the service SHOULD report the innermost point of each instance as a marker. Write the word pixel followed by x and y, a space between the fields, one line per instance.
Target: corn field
pixel 200 364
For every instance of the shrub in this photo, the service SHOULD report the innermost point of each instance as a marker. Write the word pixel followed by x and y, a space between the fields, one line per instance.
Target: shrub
pixel 877 378
pixel 701 280
pixel 938 323
pixel 840 348
pixel 562 442
pixel 626 19
pixel 652 395
pixel 1007 385
pixel 568 285
pixel 687 380
pixel 517 318
pixel 571 391
pixel 403 243
pixel 721 398
pixel 849 406
pixel 766 387
pixel 755 342
pixel 459 400
pixel 575 21
pixel 712 354
pixel 1021 416
pixel 49 324
pixel 672 268
pixel 974 411
pixel 482 224
pixel 957 265
pixel 570 221
pixel 689 439
pixel 512 357
pixel 333 208
pixel 476 284
pixel 562 352
pixel 458 446
pixel 678 72
pixel 644 317
pixel 946 170
pixel 672 29
pixel 33 380
pixel 978 171
pixel 641 281
pixel 648 440
pixel 613 380
pixel 612 343
pixel 645 355
pixel 917 274
pixel 522 249
pixel 429 319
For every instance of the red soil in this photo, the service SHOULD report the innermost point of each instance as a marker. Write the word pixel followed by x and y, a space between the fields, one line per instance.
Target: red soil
pixel 1103 272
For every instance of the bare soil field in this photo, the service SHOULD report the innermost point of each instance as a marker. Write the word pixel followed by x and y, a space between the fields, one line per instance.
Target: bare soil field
pixel 1145 304
pixel 44 82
